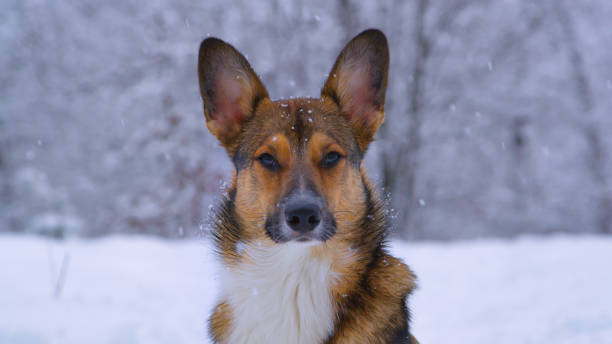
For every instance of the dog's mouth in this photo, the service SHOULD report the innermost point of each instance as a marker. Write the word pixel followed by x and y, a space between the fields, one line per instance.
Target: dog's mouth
pixel 311 237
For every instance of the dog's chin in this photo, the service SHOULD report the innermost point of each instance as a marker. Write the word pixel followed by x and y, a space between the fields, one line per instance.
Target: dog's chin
pixel 308 239
pixel 305 239
pixel 281 233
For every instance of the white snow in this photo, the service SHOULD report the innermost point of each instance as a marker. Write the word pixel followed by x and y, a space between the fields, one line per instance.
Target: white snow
pixel 144 290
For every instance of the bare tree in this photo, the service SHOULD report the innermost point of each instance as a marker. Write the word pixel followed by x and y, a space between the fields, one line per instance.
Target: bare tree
pixel 582 88
pixel 400 166
pixel 348 18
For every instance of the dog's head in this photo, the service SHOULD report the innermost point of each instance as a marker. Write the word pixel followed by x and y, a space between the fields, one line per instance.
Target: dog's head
pixel 298 161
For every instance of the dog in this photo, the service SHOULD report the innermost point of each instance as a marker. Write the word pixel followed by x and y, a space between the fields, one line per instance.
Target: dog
pixel 301 232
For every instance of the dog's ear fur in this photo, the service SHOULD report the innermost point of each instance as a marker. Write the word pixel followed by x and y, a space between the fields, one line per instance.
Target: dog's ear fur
pixel 358 81
pixel 230 90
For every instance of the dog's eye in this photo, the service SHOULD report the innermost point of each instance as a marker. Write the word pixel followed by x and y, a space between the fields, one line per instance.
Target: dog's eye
pixel 268 162
pixel 331 159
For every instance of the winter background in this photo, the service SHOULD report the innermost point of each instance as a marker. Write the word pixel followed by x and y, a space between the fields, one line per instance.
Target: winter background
pixel 496 151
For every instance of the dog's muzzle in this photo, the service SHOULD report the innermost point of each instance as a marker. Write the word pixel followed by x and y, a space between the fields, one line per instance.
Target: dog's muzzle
pixel 301 218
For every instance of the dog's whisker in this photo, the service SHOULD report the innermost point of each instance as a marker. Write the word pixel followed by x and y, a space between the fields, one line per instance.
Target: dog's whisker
pixel 343 211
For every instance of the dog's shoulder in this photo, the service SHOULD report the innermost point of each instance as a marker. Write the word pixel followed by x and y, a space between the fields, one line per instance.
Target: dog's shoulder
pixel 376 312
pixel 391 277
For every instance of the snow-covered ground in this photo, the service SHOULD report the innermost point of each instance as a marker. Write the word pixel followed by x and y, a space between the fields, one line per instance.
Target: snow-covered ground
pixel 143 290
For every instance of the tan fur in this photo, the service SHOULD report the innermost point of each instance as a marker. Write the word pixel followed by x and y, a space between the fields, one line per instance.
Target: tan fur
pixel 220 321
pixel 367 287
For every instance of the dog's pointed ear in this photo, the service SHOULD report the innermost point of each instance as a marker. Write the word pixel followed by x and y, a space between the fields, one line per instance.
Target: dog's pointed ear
pixel 358 81
pixel 230 89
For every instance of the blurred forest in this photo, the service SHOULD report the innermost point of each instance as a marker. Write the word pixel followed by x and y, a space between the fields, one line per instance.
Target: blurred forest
pixel 499 113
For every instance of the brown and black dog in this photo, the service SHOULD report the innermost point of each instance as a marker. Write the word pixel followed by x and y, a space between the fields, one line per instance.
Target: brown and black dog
pixel 301 234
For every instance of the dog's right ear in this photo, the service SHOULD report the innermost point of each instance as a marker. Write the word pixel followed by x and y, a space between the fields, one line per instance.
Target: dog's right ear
pixel 230 90
pixel 358 81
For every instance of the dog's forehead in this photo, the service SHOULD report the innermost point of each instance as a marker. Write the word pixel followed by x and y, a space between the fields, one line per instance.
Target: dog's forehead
pixel 298 119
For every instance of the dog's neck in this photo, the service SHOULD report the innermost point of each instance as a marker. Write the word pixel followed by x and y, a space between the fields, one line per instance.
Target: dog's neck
pixel 279 293
pixel 291 292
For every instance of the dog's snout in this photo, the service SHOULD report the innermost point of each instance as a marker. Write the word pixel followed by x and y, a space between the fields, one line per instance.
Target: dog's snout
pixel 302 216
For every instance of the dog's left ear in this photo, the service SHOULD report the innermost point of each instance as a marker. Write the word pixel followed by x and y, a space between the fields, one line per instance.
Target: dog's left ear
pixel 230 90
pixel 358 81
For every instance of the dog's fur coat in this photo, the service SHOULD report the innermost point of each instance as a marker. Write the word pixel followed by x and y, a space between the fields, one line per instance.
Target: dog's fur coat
pixel 333 282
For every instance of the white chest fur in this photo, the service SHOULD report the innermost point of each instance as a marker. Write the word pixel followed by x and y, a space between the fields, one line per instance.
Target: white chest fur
pixel 279 294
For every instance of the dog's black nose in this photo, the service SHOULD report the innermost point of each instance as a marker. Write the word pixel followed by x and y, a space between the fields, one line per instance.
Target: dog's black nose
pixel 302 216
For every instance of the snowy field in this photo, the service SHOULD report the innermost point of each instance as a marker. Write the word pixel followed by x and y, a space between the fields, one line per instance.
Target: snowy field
pixel 144 290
